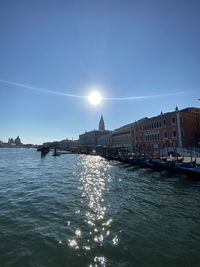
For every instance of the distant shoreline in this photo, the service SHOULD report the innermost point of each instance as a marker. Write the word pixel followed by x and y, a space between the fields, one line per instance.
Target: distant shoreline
pixel 24 146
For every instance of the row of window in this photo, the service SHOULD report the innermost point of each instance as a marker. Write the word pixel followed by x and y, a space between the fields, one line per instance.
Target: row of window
pixel 125 139
pixel 152 137
pixel 156 136
pixel 157 124
pixel 149 137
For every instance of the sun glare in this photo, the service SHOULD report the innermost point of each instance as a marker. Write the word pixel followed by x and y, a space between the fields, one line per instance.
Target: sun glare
pixel 95 98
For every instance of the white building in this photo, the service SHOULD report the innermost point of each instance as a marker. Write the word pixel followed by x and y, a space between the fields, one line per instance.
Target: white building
pixel 123 137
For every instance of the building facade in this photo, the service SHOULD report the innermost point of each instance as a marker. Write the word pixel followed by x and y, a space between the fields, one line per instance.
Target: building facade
pixel 89 140
pixel 180 128
pixel 123 137
pixel 172 129
pixel 105 140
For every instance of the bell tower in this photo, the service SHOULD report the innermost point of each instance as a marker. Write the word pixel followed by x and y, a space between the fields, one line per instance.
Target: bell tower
pixel 101 124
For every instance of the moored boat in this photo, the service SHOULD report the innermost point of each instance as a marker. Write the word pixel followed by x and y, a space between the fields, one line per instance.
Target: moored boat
pixel 191 172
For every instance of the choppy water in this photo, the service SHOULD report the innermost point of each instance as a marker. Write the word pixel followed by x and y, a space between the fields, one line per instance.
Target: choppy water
pixel 78 210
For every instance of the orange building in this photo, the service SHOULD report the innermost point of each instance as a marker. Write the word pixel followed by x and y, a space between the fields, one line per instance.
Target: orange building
pixel 180 128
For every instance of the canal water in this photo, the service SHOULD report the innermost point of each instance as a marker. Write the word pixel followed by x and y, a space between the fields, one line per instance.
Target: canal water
pixel 79 210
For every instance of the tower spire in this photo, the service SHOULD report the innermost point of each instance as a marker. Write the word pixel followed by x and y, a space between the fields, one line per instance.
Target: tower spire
pixel 101 124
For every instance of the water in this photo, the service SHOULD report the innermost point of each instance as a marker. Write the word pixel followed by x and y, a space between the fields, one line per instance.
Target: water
pixel 77 210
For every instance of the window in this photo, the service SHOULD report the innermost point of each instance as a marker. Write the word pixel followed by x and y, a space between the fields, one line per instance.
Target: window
pixel 181 120
pixel 173 120
pixel 160 124
pixel 174 134
pixel 164 122
pixel 165 134
pixel 157 124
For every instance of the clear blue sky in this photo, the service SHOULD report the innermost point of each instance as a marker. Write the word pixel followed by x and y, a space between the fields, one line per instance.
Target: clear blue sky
pixel 126 48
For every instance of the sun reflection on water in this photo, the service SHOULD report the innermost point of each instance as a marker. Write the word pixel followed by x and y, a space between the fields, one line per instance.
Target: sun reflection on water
pixel 95 222
pixel 99 261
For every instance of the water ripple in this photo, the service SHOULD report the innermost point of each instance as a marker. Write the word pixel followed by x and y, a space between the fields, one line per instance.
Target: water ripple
pixel 78 210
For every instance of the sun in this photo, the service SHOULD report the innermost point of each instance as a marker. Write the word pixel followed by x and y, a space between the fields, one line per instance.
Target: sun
pixel 95 98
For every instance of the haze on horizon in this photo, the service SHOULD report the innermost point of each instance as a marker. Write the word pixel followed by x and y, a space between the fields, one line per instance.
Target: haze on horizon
pixel 146 50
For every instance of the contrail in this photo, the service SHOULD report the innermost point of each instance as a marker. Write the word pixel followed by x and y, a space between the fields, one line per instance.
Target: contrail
pixel 40 89
pixel 82 96
pixel 144 97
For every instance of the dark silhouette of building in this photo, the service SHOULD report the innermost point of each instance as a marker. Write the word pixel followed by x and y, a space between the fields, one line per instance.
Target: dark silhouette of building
pixel 18 141
pixel 101 124
pixel 10 141
pixel 88 140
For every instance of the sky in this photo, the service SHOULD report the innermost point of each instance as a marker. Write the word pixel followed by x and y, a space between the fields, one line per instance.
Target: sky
pixel 144 49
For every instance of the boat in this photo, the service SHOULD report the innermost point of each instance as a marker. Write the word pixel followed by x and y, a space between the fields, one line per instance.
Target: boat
pixel 192 172
pixel 186 168
pixel 144 162
pixel 159 164
pixel 191 164
pixel 162 165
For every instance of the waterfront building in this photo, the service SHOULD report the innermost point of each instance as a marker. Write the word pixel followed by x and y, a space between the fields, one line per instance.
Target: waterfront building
pixel 18 141
pixel 123 137
pixel 65 144
pixel 105 140
pixel 180 128
pixel 11 141
pixel 177 129
pixel 89 140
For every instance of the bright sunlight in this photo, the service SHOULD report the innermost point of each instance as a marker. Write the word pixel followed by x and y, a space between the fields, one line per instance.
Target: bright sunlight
pixel 95 98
